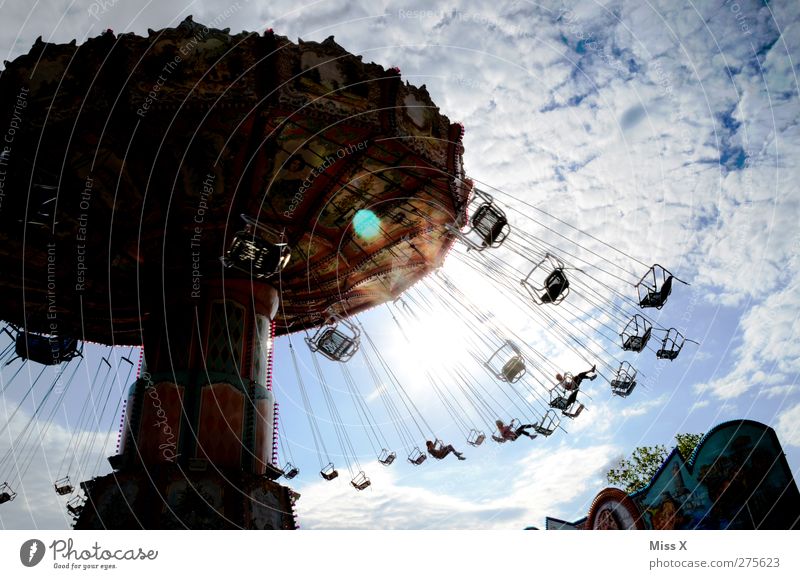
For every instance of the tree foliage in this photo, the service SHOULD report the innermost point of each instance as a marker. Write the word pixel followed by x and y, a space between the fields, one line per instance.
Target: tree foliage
pixel 636 471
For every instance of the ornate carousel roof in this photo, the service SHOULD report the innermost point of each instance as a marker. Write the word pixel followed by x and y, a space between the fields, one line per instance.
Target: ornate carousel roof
pixel 129 162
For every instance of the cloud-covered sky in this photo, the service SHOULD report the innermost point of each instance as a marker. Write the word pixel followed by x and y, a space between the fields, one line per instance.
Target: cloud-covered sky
pixel 669 130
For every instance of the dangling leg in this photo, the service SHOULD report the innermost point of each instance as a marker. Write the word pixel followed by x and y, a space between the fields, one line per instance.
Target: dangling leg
pixel 572 398
pixel 450 449
pixel 522 430
pixel 583 375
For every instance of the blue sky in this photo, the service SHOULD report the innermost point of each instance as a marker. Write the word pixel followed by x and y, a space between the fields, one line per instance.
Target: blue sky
pixel 667 129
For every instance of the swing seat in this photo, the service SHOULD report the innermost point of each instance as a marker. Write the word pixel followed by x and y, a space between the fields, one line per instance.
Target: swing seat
pixel 625 380
pixel 556 284
pixel 360 481
pixel 63 487
pixel 671 345
pixel 335 344
pixel 338 340
pixel 573 413
pixel 475 438
pixel 290 471
pixel 498 439
pixel 417 457
pixel 513 369
pixel 6 494
pixel 45 350
pixel 560 403
pixel 75 507
pixel 254 255
pixel 636 334
pixel 329 472
pixel 547 282
pixel 490 224
pixel 657 298
pixel 622 387
pixel 667 354
pixel 637 343
pixel 386 458
pixel 547 425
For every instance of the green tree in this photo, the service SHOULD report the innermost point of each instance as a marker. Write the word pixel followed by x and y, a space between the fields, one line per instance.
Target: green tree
pixel 633 473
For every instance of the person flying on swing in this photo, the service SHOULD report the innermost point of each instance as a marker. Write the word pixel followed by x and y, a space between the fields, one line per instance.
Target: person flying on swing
pixel 575 382
pixel 440 451
pixel 507 432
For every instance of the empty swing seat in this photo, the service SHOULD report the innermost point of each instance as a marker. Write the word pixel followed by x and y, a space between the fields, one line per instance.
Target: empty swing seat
pixel 46 350
pixel 490 224
pixel 386 458
pixel 573 413
pixel 75 506
pixel 671 345
pixel 63 486
pixel 6 494
pixel 360 481
pixel 547 282
pixel 329 472
pixel 636 334
pixel 556 284
pixel 667 354
pixel 637 343
pixel 338 340
pixel 547 425
pixel 475 438
pixel 290 471
pixel 417 457
pixel 255 255
pixel 657 298
pixel 335 344
pixel 513 369
pixel 625 380
pixel 622 387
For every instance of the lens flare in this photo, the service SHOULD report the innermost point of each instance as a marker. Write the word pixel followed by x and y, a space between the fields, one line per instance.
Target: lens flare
pixel 366 224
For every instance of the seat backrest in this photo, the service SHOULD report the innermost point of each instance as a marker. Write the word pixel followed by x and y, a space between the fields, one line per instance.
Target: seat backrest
pixel 666 288
pixel 488 222
pixel 512 368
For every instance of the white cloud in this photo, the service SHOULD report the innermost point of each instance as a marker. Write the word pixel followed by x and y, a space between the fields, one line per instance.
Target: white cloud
pixel 788 426
pixel 37 506
pixel 782 391
pixel 698 405
pixel 642 408
pixel 540 484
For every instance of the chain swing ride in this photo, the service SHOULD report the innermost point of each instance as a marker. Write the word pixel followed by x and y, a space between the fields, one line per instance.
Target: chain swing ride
pixel 352 191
